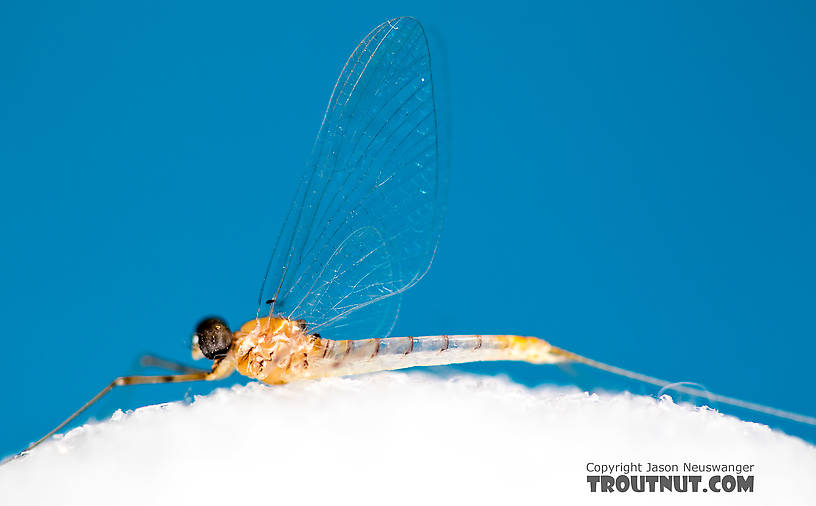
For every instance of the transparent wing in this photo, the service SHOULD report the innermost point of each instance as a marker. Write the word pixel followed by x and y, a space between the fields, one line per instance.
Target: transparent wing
pixel 365 221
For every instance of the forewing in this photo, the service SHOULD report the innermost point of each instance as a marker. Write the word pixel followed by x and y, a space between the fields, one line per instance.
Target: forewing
pixel 365 222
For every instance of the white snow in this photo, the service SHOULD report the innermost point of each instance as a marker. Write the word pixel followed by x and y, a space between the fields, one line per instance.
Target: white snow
pixel 399 439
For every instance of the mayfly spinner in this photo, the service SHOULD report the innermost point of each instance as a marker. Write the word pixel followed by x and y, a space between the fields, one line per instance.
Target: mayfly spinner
pixel 363 228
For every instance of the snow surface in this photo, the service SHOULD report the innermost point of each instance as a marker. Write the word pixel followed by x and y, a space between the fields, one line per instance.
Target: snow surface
pixel 399 439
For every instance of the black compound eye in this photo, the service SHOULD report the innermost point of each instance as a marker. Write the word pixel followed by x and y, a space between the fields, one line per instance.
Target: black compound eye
pixel 214 338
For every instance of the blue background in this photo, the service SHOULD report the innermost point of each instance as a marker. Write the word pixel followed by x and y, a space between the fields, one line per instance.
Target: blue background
pixel 632 182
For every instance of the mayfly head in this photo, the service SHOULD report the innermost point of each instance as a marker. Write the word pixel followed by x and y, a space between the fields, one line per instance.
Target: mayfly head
pixel 212 339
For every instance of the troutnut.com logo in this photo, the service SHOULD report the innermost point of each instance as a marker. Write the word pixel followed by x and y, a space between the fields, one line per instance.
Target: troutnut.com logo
pixel 688 477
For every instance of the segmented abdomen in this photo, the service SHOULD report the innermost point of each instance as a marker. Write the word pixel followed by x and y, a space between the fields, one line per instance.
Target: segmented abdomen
pixel 340 358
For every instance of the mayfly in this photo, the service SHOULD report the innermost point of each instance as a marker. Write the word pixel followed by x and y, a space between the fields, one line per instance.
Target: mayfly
pixel 363 227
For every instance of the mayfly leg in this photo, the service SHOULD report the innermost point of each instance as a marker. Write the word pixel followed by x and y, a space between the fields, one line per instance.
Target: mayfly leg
pixel 170 365
pixel 124 381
